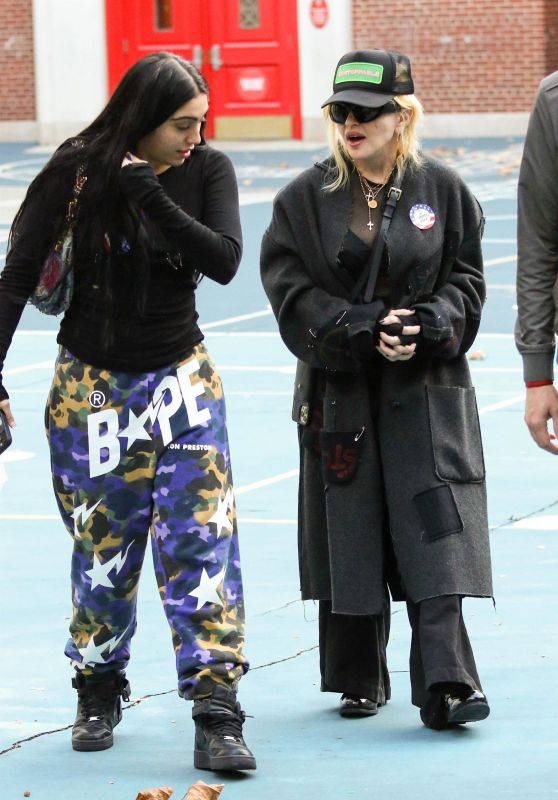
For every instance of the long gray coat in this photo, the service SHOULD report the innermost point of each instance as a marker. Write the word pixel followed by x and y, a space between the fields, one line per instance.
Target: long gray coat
pixel 411 428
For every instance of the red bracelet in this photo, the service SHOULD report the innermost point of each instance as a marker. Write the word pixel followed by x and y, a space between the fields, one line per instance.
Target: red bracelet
pixel 535 384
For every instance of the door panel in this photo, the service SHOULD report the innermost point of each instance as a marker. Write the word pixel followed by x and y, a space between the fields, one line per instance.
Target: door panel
pixel 167 25
pixel 253 68
pixel 138 27
pixel 246 49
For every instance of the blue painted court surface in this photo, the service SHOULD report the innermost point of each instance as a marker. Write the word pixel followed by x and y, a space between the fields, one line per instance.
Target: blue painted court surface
pixel 304 749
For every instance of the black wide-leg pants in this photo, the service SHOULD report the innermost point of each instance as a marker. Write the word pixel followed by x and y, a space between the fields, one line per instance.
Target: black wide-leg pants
pixel 353 655
pixel 353 650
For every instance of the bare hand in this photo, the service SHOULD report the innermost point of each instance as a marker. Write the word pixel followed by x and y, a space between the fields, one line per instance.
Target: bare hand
pixel 5 406
pixel 390 346
pixel 130 158
pixel 541 404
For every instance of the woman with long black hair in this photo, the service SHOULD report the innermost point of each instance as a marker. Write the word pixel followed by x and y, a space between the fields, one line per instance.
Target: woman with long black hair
pixel 136 415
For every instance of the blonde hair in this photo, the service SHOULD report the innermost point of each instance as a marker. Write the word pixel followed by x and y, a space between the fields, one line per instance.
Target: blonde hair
pixel 408 144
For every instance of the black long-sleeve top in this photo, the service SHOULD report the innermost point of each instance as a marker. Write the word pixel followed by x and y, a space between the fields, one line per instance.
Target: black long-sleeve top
pixel 192 219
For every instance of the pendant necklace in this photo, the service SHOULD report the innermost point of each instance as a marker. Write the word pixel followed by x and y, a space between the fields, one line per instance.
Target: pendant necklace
pixel 370 194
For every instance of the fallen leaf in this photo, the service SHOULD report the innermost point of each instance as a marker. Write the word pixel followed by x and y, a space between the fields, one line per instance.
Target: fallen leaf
pixel 204 791
pixel 155 794
pixel 27 794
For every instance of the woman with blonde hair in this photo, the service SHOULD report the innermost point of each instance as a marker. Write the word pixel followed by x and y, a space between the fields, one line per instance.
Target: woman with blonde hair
pixel 373 266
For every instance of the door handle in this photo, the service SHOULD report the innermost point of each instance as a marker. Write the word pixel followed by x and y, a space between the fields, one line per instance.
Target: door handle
pixel 197 56
pixel 215 57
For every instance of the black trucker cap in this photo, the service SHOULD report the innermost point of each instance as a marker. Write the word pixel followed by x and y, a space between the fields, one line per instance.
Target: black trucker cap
pixel 371 78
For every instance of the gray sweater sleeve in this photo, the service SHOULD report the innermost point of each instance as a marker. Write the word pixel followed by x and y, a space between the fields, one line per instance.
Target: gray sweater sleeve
pixel 537 234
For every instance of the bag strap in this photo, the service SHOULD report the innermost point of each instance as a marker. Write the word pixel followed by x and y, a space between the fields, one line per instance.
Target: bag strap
pixel 79 183
pixel 372 267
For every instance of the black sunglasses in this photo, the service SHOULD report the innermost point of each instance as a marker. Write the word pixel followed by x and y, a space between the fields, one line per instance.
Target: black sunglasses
pixel 338 112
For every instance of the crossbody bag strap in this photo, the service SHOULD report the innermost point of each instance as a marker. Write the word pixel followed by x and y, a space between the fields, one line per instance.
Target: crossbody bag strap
pixel 79 183
pixel 371 269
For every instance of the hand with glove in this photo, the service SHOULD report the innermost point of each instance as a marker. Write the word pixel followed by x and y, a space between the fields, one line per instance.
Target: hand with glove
pixel 398 334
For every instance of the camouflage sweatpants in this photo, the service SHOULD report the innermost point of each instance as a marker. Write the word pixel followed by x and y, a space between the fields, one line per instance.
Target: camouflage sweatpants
pixel 134 454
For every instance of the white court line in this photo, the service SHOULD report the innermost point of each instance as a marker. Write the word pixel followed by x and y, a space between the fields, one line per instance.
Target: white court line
pixel 493 262
pixel 500 217
pixel 509 287
pixel 257 394
pixel 29 367
pixel 283 370
pixel 251 198
pixel 265 313
pixel 259 521
pixel 36 333
pixel 495 335
pixel 500 241
pixel 56 517
pixel 544 523
pixel 502 404
pixel 495 370
pixel 208 325
pixel 250 487
pixel 241 334
pixel 29 517
pixel 290 370
pixel 231 334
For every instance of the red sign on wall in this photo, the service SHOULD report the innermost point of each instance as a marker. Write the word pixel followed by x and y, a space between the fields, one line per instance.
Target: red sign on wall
pixel 319 13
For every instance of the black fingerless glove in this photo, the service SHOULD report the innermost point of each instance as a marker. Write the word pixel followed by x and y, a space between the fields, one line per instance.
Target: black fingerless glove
pixel 396 329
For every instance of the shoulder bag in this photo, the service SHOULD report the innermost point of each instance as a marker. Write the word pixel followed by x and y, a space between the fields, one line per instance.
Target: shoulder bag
pixel 53 292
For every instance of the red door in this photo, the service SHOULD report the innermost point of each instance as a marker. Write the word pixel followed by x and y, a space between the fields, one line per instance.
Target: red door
pixel 246 49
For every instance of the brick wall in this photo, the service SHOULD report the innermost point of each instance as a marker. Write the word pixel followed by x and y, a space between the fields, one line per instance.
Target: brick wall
pixel 17 72
pixel 551 34
pixel 466 55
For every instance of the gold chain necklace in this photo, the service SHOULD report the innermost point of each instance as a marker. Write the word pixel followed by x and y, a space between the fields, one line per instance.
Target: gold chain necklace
pixel 370 195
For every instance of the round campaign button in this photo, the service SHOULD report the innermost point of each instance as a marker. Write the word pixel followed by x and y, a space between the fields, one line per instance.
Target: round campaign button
pixel 422 216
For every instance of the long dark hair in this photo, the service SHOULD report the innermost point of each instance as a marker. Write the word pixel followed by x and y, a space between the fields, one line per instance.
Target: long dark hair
pixel 149 93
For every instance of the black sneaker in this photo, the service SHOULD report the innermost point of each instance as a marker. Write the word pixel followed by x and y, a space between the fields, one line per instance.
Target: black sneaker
pixel 219 742
pixel 98 710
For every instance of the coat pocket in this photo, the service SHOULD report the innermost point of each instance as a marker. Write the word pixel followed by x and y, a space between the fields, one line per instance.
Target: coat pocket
pixel 455 434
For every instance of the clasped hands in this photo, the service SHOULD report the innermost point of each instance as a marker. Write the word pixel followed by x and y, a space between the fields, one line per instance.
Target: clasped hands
pixel 393 333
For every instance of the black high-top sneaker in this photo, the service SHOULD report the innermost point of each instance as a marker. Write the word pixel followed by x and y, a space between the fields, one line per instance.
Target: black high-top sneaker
pixel 99 709
pixel 219 743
